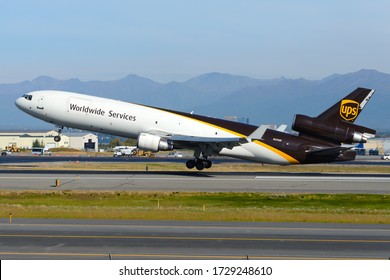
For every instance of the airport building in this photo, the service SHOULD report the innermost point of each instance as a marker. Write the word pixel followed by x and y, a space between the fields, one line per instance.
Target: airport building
pixel 25 139
pixel 376 146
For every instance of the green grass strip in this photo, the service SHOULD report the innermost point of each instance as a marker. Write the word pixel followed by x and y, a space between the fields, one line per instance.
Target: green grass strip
pixel 339 208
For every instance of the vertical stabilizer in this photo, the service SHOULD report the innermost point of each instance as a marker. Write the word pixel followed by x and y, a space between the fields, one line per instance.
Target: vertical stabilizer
pixel 348 108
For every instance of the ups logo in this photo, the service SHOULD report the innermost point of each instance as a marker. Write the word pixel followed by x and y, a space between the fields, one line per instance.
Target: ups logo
pixel 349 109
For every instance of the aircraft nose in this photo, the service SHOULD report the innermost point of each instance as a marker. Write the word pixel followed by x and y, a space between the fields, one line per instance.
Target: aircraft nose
pixel 19 102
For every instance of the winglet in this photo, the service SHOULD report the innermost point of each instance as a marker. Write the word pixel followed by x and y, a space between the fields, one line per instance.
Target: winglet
pixel 282 128
pixel 258 133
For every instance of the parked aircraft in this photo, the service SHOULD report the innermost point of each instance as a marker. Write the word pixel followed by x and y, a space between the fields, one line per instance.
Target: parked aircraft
pixel 328 137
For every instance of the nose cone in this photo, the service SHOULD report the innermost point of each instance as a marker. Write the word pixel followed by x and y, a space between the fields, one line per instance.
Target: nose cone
pixel 19 102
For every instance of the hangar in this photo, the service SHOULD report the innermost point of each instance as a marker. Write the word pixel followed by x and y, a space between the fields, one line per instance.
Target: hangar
pixel 25 139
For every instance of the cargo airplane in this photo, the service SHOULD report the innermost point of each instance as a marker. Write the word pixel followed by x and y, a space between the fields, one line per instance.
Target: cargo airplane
pixel 328 137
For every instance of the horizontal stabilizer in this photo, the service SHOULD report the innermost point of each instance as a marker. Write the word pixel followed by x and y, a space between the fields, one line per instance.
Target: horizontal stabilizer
pixel 329 151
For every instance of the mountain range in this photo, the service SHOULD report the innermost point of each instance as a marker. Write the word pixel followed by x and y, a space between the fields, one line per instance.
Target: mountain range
pixel 270 101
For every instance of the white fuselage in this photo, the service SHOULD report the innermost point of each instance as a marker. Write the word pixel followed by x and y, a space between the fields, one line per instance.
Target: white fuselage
pixel 130 120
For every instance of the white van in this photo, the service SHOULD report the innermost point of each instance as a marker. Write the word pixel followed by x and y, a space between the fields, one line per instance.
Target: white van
pixel 40 151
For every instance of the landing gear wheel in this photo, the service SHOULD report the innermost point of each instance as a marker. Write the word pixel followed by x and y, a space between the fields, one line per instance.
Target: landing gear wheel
pixel 207 163
pixel 190 164
pixel 200 165
pixel 57 138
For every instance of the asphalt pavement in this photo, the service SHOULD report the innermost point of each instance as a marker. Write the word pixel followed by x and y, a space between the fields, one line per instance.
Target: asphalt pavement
pixel 97 240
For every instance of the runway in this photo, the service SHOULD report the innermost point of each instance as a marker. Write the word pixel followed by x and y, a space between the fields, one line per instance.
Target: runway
pixel 196 181
pixel 86 239
pixel 23 159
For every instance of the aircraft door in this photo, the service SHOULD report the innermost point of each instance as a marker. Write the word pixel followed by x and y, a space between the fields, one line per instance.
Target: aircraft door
pixel 40 103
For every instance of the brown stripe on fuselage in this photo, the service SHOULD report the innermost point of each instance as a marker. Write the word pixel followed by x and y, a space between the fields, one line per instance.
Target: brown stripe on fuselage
pixel 232 126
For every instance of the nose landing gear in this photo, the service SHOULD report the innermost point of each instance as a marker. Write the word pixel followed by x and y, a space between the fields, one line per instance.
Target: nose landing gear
pixel 57 138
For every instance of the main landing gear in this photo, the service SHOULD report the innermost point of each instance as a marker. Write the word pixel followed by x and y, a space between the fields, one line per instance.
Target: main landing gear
pixel 199 163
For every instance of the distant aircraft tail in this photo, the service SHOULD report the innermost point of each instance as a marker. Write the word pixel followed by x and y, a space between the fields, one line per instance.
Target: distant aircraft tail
pixel 336 123
pixel 348 108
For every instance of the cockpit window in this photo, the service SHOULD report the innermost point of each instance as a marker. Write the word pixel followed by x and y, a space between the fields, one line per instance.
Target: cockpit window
pixel 27 96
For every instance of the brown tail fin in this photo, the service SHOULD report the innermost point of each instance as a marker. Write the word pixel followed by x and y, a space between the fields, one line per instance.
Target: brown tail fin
pixel 348 108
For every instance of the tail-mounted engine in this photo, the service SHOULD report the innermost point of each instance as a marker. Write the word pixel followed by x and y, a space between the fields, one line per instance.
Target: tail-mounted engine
pixel 153 143
pixel 340 132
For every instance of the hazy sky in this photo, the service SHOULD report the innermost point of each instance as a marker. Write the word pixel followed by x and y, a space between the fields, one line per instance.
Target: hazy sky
pixel 176 39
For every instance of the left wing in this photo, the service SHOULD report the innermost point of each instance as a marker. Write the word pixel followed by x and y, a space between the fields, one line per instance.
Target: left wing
pixel 206 145
pixel 197 139
pixel 212 145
